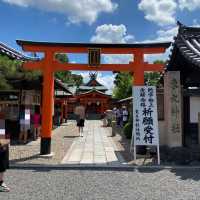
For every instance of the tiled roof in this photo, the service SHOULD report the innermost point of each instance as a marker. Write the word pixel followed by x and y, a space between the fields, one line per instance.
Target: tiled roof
pixel 94 90
pixel 12 53
pixel 62 86
pixel 186 46
pixel 83 87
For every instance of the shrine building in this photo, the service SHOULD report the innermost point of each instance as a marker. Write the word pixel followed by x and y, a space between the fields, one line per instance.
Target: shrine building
pixel 182 90
pixel 92 96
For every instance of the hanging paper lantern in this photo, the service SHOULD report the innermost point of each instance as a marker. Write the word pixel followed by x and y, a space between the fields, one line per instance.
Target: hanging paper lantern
pixel 98 103
pixel 89 103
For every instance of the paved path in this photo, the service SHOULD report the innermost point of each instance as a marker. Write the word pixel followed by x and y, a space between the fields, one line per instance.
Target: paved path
pixel 94 148
pixel 62 138
pixel 58 184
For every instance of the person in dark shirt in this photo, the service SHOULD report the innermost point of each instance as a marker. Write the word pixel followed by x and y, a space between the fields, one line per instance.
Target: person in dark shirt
pixel 3 167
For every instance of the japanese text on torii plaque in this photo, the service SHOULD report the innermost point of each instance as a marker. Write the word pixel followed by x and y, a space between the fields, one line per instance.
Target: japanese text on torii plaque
pixel 94 57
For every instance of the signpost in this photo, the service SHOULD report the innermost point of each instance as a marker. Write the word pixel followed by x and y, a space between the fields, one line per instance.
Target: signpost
pixel 145 119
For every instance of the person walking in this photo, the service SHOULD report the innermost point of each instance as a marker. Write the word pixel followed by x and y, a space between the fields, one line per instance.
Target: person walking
pixel 36 124
pixel 124 115
pixel 118 116
pixel 3 167
pixel 80 113
pixel 23 136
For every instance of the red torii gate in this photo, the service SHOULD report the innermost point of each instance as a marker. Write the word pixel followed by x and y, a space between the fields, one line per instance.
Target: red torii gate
pixel 48 65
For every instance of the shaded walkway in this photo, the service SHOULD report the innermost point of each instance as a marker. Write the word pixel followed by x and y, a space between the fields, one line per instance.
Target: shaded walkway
pixel 96 147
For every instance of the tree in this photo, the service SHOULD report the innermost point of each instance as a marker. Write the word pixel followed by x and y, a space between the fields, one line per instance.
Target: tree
pixel 123 82
pixel 77 79
pixel 62 57
pixel 67 76
pixel 153 78
pixel 12 69
pixel 123 85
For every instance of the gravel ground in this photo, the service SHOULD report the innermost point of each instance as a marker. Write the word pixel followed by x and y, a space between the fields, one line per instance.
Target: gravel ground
pixel 62 139
pixel 123 145
pixel 85 184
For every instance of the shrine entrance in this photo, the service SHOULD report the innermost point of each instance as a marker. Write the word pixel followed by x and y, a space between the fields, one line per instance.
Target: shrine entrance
pixel 48 65
pixel 92 108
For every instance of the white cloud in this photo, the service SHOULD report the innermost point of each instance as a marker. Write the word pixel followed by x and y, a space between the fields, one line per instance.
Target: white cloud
pixel 85 75
pixel 196 23
pixel 76 11
pixel 162 35
pixel 161 12
pixel 117 59
pixel 107 81
pixel 189 4
pixel 109 33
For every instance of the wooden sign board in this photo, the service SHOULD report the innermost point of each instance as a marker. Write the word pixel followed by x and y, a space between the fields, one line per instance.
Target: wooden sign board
pixel 94 57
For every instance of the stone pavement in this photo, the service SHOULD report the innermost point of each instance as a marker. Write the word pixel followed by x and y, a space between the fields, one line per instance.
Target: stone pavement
pixel 96 147
pixel 62 138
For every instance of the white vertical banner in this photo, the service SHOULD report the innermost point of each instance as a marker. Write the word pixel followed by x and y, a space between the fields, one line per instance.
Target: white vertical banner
pixel 145 119
pixel 27 116
pixel 2 127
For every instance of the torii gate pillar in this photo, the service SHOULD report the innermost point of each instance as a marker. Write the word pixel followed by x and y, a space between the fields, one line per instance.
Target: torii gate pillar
pixel 47 112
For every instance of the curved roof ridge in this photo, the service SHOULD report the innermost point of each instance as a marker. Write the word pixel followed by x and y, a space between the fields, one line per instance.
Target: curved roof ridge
pixel 11 52
pixel 94 90
pixel 186 43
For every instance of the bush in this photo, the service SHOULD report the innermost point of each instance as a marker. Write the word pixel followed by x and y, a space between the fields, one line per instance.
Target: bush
pixel 128 130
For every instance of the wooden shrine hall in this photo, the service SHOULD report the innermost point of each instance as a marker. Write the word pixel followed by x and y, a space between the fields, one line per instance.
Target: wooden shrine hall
pixel 185 60
pixel 48 65
pixel 92 96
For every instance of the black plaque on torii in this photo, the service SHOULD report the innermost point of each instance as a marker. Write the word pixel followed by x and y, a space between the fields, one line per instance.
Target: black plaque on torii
pixel 94 57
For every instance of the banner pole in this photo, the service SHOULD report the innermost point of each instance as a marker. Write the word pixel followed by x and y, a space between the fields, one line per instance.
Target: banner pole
pixel 135 154
pixel 158 154
pixel 132 138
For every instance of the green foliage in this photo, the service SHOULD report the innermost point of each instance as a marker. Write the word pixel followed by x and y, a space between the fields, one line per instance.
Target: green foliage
pixel 12 69
pixel 123 82
pixel 62 58
pixel 123 85
pixel 77 79
pixel 152 78
pixel 128 130
pixel 159 62
pixel 67 76
pixel 64 76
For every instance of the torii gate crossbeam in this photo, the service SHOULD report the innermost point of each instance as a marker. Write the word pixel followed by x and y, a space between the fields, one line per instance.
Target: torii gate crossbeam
pixel 48 65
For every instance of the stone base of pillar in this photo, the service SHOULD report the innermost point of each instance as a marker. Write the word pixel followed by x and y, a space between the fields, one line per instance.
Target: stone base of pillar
pixel 45 146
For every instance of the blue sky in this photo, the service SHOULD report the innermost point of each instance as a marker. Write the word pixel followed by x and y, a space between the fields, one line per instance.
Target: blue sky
pixel 109 21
